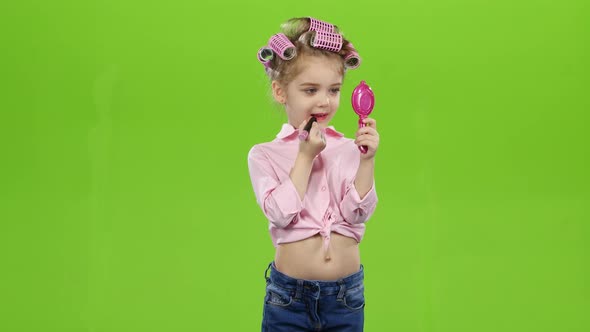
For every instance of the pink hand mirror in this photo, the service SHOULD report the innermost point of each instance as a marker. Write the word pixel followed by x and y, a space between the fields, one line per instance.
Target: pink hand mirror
pixel 363 101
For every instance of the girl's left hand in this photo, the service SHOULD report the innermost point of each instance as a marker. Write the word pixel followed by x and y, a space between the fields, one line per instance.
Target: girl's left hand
pixel 369 137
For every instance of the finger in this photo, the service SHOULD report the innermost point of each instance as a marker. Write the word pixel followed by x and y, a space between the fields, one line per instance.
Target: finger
pixel 302 125
pixel 316 133
pixel 370 122
pixel 306 123
pixel 369 147
pixel 315 130
pixel 366 131
pixel 366 139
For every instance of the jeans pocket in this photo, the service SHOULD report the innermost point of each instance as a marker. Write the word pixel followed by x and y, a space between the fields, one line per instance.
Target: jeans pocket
pixel 277 296
pixel 354 298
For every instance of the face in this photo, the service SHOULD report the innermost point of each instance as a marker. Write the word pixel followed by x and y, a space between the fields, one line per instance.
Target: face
pixel 314 91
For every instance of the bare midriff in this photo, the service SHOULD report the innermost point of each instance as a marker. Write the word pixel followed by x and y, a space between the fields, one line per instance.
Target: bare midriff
pixel 307 259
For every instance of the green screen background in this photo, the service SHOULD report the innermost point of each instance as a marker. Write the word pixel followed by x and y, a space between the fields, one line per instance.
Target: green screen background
pixel 125 200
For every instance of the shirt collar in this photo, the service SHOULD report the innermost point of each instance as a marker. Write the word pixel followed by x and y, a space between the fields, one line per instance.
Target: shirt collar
pixel 287 131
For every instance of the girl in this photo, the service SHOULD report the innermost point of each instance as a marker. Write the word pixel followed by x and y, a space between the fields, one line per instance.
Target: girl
pixel 314 185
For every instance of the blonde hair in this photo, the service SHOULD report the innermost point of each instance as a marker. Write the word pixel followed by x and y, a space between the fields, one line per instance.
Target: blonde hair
pixel 297 30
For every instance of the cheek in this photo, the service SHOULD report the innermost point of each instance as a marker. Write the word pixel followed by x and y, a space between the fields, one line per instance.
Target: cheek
pixel 336 103
pixel 307 104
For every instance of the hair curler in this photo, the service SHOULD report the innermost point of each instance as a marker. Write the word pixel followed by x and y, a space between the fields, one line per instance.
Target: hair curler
pixel 352 60
pixel 363 101
pixel 327 40
pixel 317 25
pixel 303 135
pixel 282 46
pixel 265 54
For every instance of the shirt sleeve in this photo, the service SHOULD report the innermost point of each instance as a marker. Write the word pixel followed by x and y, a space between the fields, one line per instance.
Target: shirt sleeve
pixel 354 209
pixel 277 197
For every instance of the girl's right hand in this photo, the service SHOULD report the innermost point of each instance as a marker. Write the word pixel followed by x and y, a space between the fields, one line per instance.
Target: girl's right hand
pixel 316 141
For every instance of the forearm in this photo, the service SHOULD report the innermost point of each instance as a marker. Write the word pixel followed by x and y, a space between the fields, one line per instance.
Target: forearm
pixel 365 176
pixel 300 173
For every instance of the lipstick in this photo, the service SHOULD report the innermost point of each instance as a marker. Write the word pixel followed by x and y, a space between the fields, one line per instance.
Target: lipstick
pixel 303 135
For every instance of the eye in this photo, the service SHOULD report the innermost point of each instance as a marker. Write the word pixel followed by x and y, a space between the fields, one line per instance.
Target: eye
pixel 335 90
pixel 310 91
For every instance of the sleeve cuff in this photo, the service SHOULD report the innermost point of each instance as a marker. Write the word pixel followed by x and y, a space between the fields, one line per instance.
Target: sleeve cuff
pixel 358 210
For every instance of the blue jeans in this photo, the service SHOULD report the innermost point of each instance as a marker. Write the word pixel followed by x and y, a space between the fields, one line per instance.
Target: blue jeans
pixel 293 305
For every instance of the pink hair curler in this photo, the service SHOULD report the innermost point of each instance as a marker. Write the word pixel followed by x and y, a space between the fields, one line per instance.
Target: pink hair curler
pixel 327 40
pixel 363 101
pixel 352 60
pixel 317 25
pixel 265 54
pixel 282 46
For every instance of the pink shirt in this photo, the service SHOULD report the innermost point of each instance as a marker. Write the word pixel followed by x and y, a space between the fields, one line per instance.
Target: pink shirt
pixel 331 202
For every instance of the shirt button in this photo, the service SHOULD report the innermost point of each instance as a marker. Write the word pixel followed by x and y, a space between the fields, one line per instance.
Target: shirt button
pixel 324 188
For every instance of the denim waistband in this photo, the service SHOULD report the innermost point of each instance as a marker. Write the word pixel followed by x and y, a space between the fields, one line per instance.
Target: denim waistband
pixel 314 288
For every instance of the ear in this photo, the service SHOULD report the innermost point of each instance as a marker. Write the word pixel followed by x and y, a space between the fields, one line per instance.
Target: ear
pixel 278 92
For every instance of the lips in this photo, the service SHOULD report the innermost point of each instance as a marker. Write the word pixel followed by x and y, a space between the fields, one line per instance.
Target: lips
pixel 320 116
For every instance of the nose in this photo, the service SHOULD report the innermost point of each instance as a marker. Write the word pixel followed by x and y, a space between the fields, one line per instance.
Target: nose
pixel 324 101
